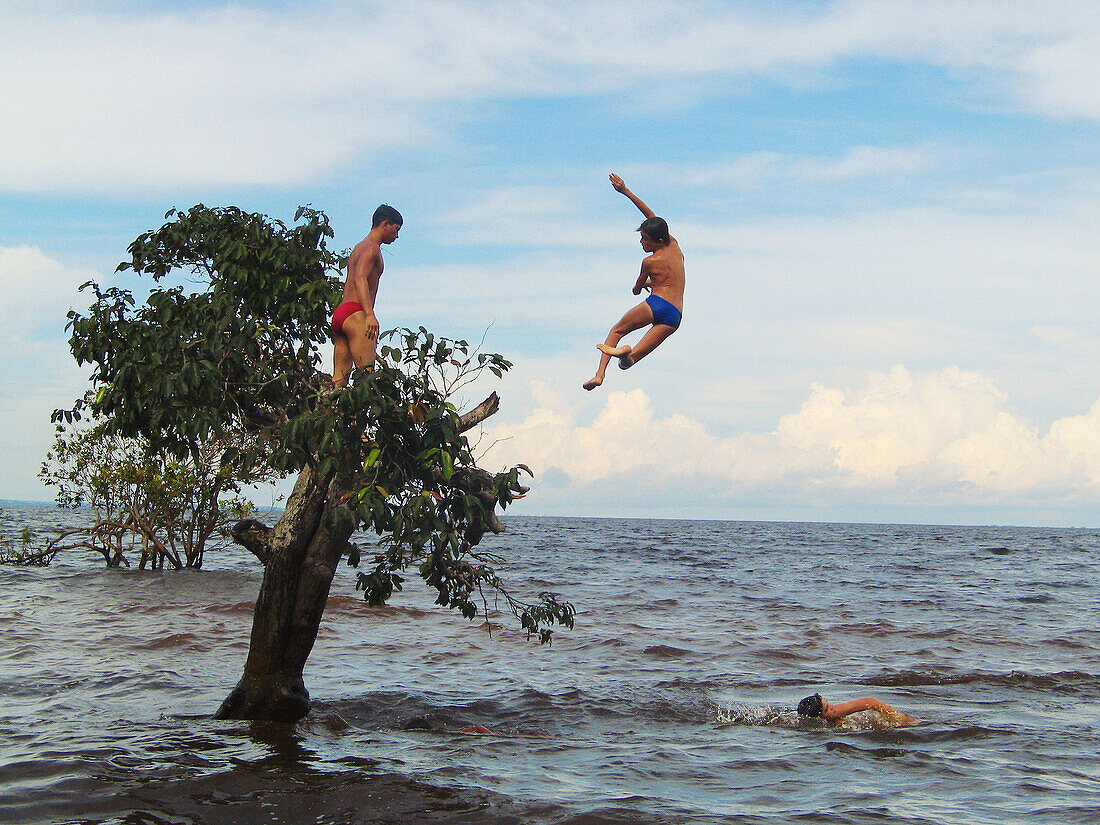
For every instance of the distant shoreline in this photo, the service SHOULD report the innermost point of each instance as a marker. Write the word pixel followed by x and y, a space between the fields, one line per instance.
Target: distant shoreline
pixel 14 502
pixel 809 522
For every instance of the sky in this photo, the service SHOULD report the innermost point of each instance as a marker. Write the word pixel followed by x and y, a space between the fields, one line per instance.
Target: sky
pixel 888 211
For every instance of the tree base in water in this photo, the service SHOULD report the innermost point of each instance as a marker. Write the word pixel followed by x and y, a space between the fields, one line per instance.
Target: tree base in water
pixel 272 698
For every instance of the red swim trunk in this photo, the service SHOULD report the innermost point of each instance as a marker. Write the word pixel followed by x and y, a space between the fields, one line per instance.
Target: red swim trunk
pixel 342 312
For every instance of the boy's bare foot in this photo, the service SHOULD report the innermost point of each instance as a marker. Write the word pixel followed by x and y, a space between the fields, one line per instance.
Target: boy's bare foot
pixel 625 361
pixel 592 383
pixel 614 352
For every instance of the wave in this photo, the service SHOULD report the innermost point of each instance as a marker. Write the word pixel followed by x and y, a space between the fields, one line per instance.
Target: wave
pixel 356 605
pixel 234 609
pixel 1069 681
pixel 527 711
pixel 190 641
pixel 668 652
pixel 284 786
pixel 847 747
pixel 717 683
pixel 1041 598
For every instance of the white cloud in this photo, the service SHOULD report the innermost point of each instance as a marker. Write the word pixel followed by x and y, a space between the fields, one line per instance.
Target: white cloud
pixel 1062 78
pixel 38 291
pixel 866 161
pixel 37 372
pixel 765 168
pixel 531 216
pixel 926 433
pixel 95 99
pixel 791 299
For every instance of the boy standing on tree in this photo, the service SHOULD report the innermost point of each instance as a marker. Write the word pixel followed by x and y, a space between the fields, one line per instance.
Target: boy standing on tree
pixel 354 325
pixel 663 275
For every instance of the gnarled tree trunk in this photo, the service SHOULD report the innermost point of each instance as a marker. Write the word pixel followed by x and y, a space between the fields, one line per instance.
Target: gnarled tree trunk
pixel 300 555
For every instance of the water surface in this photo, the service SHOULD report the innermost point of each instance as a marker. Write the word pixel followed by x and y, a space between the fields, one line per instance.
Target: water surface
pixel 669 702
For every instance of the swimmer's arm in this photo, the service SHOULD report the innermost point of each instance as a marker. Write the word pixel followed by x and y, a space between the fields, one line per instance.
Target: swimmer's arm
pixel 619 186
pixel 841 709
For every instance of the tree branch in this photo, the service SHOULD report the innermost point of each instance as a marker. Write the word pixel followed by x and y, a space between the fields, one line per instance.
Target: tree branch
pixel 479 413
pixel 255 536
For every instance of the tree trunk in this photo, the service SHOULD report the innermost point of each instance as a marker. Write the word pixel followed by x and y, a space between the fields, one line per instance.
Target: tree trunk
pixel 300 555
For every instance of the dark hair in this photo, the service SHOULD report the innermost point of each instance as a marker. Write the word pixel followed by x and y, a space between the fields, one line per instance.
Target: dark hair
pixel 811 706
pixel 385 212
pixel 655 229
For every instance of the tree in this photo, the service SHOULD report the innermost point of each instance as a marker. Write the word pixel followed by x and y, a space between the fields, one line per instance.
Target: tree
pixel 237 354
pixel 25 554
pixel 163 506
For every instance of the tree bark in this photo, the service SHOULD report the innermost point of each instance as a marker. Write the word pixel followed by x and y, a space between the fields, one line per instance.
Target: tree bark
pixel 300 555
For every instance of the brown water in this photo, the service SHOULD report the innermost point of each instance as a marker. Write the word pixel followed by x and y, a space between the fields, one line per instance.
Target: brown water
pixel 669 702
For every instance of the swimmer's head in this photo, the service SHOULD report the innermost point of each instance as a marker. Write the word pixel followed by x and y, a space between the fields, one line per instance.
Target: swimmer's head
pixel 656 230
pixel 811 706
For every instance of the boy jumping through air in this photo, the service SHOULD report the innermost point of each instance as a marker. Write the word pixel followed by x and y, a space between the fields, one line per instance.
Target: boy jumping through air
pixel 663 275
pixel 354 324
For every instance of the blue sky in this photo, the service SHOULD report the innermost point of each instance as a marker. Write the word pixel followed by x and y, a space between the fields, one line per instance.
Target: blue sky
pixel 888 212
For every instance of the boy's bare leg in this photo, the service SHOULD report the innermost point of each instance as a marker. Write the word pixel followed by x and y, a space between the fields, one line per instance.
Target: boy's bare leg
pixel 361 347
pixel 341 361
pixel 650 341
pixel 597 379
pixel 635 318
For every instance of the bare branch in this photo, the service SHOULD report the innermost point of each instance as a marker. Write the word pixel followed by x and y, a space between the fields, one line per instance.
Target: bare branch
pixel 479 413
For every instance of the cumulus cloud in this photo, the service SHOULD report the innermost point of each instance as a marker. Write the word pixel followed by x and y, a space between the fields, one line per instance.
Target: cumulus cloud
pixel 924 433
pixel 101 96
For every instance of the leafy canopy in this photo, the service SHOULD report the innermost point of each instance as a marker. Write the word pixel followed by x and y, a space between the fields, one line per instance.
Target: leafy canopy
pixel 237 355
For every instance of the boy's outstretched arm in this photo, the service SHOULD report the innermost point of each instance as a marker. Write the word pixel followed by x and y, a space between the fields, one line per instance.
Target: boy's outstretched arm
pixel 838 711
pixel 619 186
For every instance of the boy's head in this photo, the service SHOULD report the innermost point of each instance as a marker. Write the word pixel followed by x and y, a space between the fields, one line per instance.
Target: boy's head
pixel 656 230
pixel 811 706
pixel 385 213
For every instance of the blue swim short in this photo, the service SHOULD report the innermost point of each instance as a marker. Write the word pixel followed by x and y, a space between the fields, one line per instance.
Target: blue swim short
pixel 663 311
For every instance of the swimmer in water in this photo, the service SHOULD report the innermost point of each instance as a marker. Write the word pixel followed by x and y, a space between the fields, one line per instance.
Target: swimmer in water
pixel 817 705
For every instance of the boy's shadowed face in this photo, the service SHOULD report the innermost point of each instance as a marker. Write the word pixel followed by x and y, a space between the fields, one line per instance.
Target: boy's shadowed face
pixel 391 231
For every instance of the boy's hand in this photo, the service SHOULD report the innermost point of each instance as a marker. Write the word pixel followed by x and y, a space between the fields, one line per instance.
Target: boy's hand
pixel 372 326
pixel 617 182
